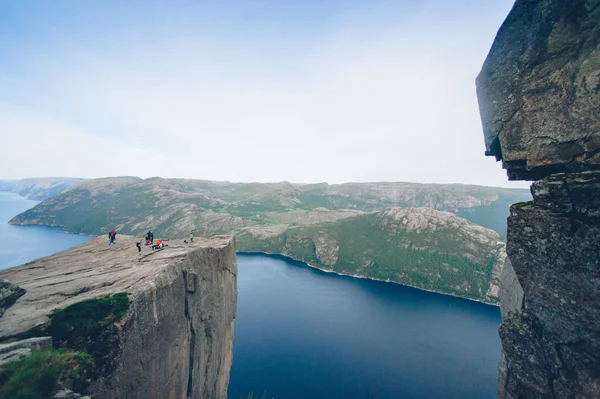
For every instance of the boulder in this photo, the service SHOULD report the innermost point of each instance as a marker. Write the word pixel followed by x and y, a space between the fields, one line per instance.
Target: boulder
pixel 9 293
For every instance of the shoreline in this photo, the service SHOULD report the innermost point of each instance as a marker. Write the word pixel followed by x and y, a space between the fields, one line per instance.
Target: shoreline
pixel 364 277
pixel 62 229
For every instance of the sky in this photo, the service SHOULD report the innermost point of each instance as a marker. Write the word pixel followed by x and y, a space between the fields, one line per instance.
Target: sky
pixel 247 90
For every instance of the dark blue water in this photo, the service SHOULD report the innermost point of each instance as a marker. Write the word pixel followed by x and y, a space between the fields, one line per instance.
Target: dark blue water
pixel 303 333
pixel 21 244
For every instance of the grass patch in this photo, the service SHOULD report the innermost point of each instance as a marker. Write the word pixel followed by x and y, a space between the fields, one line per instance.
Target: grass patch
pixel 36 376
pixel 88 326
pixel 74 324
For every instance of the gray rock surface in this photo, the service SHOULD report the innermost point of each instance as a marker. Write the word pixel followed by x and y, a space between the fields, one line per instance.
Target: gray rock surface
pixel 18 349
pixel 511 292
pixel 552 346
pixel 175 342
pixel 9 293
pixel 539 89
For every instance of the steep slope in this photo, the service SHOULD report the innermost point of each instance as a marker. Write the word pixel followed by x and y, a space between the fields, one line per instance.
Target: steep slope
pixel 38 188
pixel 172 207
pixel 172 336
pixel 420 247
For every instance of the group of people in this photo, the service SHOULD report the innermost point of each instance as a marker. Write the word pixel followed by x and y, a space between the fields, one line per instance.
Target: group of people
pixel 149 240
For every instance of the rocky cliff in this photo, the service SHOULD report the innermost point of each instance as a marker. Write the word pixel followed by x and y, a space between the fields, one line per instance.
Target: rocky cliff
pixel 172 334
pixel 539 89
pixel 539 94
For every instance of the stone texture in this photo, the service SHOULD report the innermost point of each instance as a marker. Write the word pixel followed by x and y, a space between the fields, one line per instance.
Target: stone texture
pixel 177 339
pixel 511 292
pixel 66 394
pixel 9 293
pixel 16 350
pixel 539 89
pixel 552 346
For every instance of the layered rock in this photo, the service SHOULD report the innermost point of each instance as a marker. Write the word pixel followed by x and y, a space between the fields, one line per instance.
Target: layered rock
pixel 539 89
pixel 552 345
pixel 539 94
pixel 176 339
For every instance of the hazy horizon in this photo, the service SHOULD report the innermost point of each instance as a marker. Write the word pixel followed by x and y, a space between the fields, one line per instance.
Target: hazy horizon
pixel 260 91
pixel 257 182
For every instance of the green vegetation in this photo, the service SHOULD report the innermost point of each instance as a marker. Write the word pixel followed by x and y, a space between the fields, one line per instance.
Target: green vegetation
pixel 167 205
pixel 434 259
pixel 83 320
pixel 83 337
pixel 88 326
pixel 36 376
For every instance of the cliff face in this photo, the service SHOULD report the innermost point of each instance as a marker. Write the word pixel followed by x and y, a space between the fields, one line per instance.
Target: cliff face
pixel 553 344
pixel 539 89
pixel 176 338
pixel 539 94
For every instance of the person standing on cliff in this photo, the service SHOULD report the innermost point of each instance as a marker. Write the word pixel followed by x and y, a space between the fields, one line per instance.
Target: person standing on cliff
pixel 111 237
pixel 192 236
pixel 139 246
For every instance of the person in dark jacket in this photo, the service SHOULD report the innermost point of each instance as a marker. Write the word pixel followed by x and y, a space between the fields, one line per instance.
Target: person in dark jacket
pixel 111 237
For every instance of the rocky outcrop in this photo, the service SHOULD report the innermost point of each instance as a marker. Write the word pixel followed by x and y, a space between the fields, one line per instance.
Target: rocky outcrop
pixel 9 293
pixel 539 89
pixel 539 94
pixel 16 350
pixel 175 340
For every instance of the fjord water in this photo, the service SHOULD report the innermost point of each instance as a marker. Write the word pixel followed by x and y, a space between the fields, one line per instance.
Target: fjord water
pixel 22 244
pixel 304 333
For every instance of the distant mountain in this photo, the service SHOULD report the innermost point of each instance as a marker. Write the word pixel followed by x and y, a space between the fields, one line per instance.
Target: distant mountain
pixel 403 232
pixel 172 207
pixel 420 247
pixel 38 188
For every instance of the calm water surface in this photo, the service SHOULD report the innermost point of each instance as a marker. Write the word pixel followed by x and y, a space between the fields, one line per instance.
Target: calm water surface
pixel 303 333
pixel 22 244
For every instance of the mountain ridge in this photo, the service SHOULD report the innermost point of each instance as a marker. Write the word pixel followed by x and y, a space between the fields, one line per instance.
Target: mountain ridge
pixel 408 233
